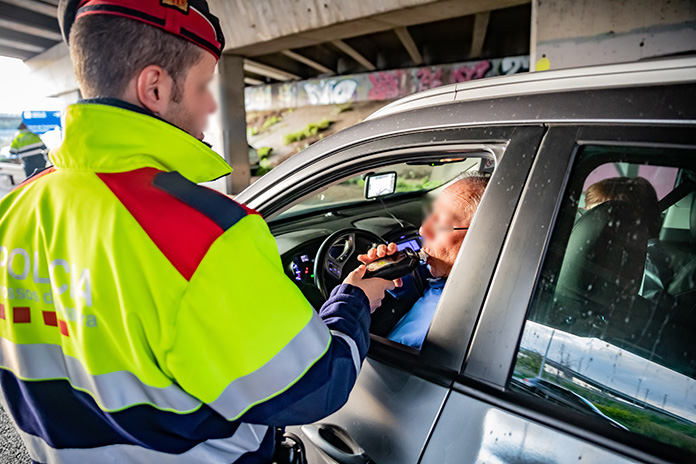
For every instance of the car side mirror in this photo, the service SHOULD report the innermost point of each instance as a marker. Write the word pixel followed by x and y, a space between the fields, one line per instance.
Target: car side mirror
pixel 380 185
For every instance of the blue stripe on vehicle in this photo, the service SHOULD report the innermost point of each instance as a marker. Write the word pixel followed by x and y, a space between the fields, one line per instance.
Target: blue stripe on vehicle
pixel 221 209
pixel 67 418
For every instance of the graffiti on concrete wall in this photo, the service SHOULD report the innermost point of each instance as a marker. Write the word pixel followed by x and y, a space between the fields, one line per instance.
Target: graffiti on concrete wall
pixel 330 91
pixel 381 85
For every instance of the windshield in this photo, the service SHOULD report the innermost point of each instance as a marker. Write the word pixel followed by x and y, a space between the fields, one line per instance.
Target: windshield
pixel 409 178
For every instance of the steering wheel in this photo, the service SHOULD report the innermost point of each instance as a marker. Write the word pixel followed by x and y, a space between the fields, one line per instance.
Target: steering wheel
pixel 338 256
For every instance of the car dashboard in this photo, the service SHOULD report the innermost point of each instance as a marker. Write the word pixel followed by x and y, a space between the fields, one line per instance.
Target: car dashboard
pixel 300 265
pixel 299 240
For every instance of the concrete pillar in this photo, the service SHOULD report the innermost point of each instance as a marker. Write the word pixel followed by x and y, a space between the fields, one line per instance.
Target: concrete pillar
pixel 573 33
pixel 233 121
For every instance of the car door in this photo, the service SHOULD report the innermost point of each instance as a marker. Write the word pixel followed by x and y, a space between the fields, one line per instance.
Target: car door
pixel 605 372
pixel 400 391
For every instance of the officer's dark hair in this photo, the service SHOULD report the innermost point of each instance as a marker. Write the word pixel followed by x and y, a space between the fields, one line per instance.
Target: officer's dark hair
pixel 108 51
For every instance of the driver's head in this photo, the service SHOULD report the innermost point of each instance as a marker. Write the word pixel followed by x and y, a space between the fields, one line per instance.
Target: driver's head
pixel 159 55
pixel 455 207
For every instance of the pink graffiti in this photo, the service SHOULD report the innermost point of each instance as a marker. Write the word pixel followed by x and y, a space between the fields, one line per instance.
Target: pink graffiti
pixel 386 85
pixel 427 79
pixel 466 73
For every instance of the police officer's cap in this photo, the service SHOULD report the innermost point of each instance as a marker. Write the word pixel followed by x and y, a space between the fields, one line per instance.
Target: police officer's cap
pixel 188 19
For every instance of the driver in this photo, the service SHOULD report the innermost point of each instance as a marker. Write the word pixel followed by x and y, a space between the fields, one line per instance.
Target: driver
pixel 443 232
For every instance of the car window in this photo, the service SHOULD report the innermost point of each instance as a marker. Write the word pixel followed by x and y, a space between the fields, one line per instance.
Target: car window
pixel 410 178
pixel 407 312
pixel 610 330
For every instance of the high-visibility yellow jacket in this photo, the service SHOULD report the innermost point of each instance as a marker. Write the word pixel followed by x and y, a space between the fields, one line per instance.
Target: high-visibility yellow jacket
pixel 144 318
pixel 26 143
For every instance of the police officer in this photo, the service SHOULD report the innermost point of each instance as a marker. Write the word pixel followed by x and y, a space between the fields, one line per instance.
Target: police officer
pixel 144 318
pixel 29 148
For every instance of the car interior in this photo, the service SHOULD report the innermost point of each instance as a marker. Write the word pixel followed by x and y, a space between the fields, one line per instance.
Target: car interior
pixel 618 291
pixel 626 284
pixel 320 236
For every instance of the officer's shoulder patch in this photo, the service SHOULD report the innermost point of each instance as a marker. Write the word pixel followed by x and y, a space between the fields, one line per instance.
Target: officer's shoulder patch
pixel 182 219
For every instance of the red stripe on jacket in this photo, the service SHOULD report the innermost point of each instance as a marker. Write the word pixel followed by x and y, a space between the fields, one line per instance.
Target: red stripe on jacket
pixel 182 233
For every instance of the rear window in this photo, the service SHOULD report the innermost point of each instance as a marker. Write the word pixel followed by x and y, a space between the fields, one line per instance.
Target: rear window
pixel 610 331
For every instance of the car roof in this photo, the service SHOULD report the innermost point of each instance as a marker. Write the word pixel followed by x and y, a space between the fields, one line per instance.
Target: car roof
pixel 642 73
pixel 627 94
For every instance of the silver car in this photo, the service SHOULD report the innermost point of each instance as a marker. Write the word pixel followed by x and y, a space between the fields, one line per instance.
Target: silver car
pixel 599 299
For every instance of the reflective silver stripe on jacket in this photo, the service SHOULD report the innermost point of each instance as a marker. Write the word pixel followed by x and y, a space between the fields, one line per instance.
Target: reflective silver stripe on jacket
pixel 247 438
pixel 355 354
pixel 112 391
pixel 278 374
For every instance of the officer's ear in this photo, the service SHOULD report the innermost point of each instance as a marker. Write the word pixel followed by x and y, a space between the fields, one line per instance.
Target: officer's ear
pixel 154 88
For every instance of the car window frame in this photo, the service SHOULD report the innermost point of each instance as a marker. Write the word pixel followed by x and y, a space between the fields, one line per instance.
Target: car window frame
pixel 490 361
pixel 446 342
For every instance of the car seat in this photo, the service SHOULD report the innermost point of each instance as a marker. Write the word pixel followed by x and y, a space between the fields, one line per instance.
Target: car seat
pixel 597 290
pixel 602 272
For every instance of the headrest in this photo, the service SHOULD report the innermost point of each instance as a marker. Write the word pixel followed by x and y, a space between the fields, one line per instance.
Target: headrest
pixel 606 253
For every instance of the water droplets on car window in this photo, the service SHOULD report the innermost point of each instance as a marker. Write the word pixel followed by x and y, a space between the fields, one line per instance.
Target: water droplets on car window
pixel 609 333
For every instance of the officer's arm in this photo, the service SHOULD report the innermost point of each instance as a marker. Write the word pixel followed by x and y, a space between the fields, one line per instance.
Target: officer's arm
pixel 248 344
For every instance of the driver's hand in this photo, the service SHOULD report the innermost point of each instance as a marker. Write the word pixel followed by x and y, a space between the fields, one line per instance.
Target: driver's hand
pixel 374 288
pixel 380 251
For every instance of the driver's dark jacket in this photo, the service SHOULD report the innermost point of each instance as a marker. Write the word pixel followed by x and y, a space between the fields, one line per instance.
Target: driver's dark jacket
pixel 156 323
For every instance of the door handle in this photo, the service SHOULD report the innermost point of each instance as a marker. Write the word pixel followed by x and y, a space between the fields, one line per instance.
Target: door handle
pixel 337 443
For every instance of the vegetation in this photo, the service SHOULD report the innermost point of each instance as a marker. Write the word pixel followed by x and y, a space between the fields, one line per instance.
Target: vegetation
pixel 652 424
pixel 415 185
pixel 264 152
pixel 646 422
pixel 528 363
pixel 271 121
pixel 403 184
pixel 309 131
pixel 342 107
pixel 264 162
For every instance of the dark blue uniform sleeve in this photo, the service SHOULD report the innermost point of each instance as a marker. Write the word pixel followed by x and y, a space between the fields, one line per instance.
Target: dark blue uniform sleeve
pixel 325 387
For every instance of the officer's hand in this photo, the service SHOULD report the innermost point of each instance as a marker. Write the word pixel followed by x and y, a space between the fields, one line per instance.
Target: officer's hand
pixel 374 288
